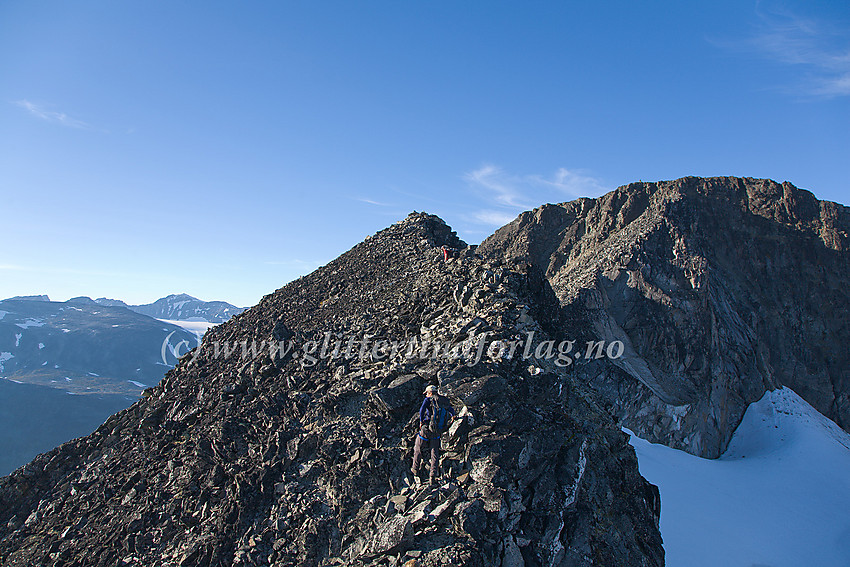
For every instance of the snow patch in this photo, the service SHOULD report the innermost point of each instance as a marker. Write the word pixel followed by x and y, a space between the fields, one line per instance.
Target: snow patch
pixel 40 346
pixel 18 339
pixel 196 327
pixel 4 356
pixel 571 491
pixel 139 384
pixel 3 314
pixel 31 322
pixel 778 496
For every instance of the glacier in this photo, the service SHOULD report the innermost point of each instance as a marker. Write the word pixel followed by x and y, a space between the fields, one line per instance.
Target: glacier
pixel 779 496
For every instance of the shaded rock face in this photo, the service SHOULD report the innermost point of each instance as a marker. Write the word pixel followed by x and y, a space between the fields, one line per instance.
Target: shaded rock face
pixel 298 456
pixel 719 289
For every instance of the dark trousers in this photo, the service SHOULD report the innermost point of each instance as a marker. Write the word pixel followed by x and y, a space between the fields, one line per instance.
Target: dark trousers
pixel 424 445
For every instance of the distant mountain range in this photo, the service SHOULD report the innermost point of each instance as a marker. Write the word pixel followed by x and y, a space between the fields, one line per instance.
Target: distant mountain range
pixel 83 347
pixel 178 307
pixel 181 307
pixel 67 366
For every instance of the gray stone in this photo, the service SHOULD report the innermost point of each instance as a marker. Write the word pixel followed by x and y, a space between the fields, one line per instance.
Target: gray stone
pixel 394 535
pixel 400 393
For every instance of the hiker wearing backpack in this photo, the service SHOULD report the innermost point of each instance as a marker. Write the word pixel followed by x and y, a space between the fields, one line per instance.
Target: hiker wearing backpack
pixel 435 416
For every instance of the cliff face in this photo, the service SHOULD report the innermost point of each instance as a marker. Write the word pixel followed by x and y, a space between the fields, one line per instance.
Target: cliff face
pixel 719 289
pixel 286 438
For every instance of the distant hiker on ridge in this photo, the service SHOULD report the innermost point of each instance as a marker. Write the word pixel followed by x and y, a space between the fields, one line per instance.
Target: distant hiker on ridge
pixel 449 253
pixel 435 415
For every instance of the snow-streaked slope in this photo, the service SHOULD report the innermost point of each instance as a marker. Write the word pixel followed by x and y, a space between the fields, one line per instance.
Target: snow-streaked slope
pixel 186 308
pixel 779 496
pixel 100 348
pixel 198 327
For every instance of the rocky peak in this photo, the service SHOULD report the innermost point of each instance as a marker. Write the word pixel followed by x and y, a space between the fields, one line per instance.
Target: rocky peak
pixel 293 452
pixel 185 307
pixel 720 289
pixel 179 297
pixel 82 300
pixel 431 228
pixel 110 302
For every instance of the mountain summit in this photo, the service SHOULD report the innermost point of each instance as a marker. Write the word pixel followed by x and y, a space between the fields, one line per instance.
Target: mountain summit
pixel 720 289
pixel 286 437
pixel 181 307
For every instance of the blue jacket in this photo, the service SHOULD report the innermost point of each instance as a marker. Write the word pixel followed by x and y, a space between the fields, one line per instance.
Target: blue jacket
pixel 425 410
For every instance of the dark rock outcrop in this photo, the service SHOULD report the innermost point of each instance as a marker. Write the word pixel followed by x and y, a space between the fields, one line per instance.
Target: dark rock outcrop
pixel 270 445
pixel 720 289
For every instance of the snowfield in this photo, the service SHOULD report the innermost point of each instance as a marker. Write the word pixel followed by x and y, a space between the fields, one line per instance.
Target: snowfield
pixel 778 497
pixel 31 322
pixel 198 327
pixel 4 356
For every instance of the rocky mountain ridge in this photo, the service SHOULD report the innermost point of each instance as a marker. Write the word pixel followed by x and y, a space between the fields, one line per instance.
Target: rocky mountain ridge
pixel 30 298
pixel 282 460
pixel 285 438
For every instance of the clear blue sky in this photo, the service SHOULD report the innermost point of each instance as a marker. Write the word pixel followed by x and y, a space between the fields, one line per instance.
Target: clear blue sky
pixel 224 148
